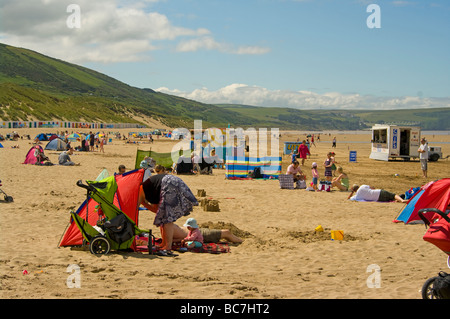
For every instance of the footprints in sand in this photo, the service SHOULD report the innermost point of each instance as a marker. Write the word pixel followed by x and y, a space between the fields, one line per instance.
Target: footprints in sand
pixel 54 205
pixel 234 288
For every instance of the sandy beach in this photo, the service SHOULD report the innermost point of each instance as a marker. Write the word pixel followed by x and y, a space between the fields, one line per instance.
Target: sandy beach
pixel 281 257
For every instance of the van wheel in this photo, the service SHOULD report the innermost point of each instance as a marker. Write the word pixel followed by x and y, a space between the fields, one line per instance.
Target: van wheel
pixel 434 157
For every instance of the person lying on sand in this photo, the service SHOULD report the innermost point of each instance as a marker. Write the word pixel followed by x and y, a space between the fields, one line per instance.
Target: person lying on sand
pixel 209 235
pixel 368 193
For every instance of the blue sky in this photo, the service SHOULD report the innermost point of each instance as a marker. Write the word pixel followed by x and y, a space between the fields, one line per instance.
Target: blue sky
pixel 303 54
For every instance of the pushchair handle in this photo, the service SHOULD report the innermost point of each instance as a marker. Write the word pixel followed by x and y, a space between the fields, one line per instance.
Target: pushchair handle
pixel 434 210
pixel 80 184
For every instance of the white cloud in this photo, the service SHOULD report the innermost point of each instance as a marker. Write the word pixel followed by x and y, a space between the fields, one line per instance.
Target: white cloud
pixel 209 43
pixel 402 3
pixel 111 31
pixel 258 96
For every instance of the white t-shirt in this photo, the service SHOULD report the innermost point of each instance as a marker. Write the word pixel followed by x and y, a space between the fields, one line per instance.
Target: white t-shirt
pixel 424 147
pixel 195 159
pixel 364 192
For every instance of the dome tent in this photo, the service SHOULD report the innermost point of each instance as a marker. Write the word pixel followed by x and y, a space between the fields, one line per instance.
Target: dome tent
pixel 56 144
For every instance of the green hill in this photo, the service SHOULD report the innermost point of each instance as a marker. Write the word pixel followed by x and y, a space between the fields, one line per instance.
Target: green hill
pixel 427 119
pixel 35 86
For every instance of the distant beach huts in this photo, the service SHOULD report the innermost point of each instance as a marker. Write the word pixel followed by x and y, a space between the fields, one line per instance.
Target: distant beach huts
pixel 65 124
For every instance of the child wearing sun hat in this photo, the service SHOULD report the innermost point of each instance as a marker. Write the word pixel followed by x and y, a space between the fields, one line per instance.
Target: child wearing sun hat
pixel 194 239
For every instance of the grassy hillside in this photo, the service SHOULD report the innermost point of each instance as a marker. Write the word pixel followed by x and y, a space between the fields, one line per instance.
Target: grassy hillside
pixel 297 119
pixel 25 103
pixel 36 85
pixel 427 119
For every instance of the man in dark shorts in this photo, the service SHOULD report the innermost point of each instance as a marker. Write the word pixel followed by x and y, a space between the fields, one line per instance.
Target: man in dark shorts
pixel 209 235
pixel 370 194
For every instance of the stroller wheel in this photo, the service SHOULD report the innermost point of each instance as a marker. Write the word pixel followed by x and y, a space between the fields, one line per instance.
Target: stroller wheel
pixel 9 199
pixel 99 246
pixel 427 289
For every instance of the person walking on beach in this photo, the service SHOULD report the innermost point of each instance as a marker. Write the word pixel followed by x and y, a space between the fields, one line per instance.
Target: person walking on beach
pixel 312 140
pixel 303 151
pixel 334 142
pixel 423 151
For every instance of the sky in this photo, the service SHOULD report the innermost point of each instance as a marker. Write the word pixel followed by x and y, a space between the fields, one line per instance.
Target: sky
pixel 305 54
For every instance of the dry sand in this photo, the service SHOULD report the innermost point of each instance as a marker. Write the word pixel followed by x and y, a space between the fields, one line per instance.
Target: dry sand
pixel 281 256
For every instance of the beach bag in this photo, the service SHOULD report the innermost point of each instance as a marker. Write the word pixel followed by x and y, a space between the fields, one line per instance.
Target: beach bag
pixel 438 233
pixel 257 173
pixel 321 186
pixel 286 181
pixel 119 229
pixel 324 186
pixel 301 184
pixel 441 285
pixel 410 193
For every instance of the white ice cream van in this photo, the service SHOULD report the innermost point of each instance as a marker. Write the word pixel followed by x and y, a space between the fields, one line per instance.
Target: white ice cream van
pixel 391 142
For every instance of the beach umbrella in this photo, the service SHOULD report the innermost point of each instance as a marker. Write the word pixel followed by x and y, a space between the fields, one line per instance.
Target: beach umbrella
pixel 73 136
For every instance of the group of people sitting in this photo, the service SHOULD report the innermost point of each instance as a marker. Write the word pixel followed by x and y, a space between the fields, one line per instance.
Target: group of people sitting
pixel 197 165
pixel 63 158
pixel 340 181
